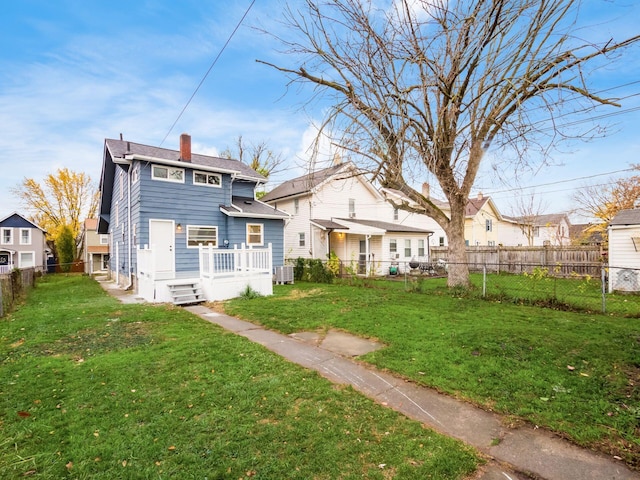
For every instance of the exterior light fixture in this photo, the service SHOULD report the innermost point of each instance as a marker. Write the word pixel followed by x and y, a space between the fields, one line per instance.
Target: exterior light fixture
pixel 179 228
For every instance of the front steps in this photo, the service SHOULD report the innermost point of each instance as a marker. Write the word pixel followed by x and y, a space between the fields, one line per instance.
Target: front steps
pixel 186 293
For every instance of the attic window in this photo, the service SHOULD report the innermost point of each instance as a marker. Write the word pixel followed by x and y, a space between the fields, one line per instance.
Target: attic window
pixel 208 179
pixel 167 174
pixel 636 243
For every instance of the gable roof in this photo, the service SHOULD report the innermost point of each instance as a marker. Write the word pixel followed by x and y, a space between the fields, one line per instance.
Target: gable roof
pixel 15 220
pixel 305 183
pixel 630 216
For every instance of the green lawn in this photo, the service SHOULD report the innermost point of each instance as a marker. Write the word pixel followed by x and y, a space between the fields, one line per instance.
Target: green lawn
pixel 91 388
pixel 574 373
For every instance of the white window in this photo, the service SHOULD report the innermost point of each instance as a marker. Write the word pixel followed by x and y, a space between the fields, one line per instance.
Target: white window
pixel 296 206
pixel 26 259
pixel 393 247
pixel 255 234
pixel 536 231
pixel 25 236
pixel 441 241
pixel 208 179
pixel 395 214
pixel 201 234
pixel 301 239
pixel 135 173
pixel 117 214
pixel 352 208
pixel 491 243
pixel 489 224
pixel 407 248
pixel 421 247
pixel 104 239
pixel 167 174
pixel 7 236
pixel 121 175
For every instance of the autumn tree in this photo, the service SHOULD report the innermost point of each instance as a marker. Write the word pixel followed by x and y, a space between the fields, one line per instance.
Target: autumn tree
pixel 604 201
pixel 430 85
pixel 63 199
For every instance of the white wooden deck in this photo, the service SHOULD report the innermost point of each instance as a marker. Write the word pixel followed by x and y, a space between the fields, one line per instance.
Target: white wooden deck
pixel 223 273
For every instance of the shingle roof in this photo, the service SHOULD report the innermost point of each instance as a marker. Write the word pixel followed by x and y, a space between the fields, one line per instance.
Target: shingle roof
pixel 629 216
pixel 304 183
pixel 120 148
pixel 251 207
pixel 389 227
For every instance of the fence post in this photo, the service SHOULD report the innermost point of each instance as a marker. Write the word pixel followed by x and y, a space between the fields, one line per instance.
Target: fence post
pixel 484 281
pixel 603 278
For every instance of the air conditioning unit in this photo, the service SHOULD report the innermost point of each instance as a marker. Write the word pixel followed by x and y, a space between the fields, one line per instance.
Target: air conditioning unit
pixel 352 214
pixel 284 274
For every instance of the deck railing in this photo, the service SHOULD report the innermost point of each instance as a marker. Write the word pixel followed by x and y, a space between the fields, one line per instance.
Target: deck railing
pixel 216 262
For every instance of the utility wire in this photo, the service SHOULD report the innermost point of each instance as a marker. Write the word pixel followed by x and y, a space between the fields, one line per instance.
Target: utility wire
pixel 215 60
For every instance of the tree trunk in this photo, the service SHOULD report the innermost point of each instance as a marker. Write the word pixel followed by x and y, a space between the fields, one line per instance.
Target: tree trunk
pixel 458 268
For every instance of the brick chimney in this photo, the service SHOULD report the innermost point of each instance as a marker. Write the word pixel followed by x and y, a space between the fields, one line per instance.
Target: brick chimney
pixel 185 147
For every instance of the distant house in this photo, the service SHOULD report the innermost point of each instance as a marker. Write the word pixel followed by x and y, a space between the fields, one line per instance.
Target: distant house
pixel 586 234
pixel 22 244
pixel 186 227
pixel 96 248
pixel 624 251
pixel 338 210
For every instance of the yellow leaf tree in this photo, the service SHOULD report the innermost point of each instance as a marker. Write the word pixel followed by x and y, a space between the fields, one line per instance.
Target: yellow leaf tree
pixel 63 198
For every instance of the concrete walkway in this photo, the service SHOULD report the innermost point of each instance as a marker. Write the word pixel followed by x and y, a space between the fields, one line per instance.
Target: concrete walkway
pixel 522 453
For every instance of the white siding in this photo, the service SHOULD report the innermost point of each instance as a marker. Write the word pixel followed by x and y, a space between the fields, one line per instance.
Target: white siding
pixel 622 252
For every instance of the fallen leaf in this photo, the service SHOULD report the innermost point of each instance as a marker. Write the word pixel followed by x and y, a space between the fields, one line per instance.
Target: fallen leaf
pixel 17 344
pixel 584 374
pixel 23 414
pixel 172 447
pixel 571 368
pixel 69 465
pixel 124 463
pixel 28 472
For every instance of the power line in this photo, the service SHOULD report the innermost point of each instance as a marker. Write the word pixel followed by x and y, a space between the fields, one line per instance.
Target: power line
pixel 564 181
pixel 215 60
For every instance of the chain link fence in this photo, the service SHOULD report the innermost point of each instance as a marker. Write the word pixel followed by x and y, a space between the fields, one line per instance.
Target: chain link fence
pixel 583 287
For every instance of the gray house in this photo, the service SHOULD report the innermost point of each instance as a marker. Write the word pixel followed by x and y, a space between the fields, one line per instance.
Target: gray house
pixel 22 244
pixel 186 227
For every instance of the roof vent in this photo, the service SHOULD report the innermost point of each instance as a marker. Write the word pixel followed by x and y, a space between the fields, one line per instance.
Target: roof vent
pixel 248 202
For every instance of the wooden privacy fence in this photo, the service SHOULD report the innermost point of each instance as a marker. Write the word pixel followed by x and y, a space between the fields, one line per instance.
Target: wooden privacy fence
pixel 14 284
pixel 562 261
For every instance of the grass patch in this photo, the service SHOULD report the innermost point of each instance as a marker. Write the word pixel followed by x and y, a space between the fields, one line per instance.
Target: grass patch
pixel 574 373
pixel 92 388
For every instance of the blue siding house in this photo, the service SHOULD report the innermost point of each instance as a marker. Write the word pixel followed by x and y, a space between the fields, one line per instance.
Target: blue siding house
pixel 186 227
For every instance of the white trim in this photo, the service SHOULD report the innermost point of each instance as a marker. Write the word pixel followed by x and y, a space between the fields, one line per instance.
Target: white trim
pixel 2 240
pixel 215 242
pixel 261 225
pixel 28 242
pixel 20 262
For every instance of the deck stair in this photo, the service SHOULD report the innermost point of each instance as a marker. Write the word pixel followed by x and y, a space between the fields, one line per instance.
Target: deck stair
pixel 186 293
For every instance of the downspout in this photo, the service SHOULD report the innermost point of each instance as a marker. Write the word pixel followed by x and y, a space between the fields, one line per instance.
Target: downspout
pixel 129 239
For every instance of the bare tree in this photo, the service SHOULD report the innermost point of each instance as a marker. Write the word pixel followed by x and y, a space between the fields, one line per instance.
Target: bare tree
pixel 258 156
pixel 526 211
pixel 422 85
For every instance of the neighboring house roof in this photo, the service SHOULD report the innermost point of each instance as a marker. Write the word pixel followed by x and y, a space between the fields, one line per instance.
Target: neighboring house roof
pixel 249 207
pixel 91 224
pixel 584 233
pixel 550 219
pixel 97 248
pixel 629 216
pixel 373 225
pixel 306 183
pixel 15 220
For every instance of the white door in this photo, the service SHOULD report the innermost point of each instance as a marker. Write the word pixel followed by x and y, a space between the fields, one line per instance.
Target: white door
pixel 162 241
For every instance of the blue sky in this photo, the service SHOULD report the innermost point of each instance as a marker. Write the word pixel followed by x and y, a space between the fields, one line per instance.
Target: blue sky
pixel 74 72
